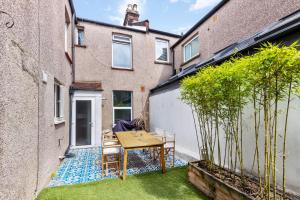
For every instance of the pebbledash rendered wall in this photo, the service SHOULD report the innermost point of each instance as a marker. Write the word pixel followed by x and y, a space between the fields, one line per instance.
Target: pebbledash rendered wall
pixel 32 41
pixel 169 114
pixel 235 20
pixel 94 63
pixel 18 100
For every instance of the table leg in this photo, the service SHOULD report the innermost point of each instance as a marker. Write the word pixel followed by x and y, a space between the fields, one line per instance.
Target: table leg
pixel 162 159
pixel 124 164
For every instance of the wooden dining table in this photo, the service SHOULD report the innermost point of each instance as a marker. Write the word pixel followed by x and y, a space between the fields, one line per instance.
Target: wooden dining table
pixel 133 140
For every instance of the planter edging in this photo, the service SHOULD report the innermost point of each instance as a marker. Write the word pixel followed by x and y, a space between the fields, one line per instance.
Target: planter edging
pixel 212 186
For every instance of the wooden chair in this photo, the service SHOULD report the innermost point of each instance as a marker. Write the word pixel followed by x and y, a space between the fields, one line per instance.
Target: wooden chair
pixel 111 152
pixel 169 147
pixel 150 149
pixel 108 135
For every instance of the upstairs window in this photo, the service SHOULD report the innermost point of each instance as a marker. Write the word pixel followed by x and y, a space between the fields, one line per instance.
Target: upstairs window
pixel 58 102
pixel 162 50
pixel 191 49
pixel 67 24
pixel 122 106
pixel 80 36
pixel 66 36
pixel 121 52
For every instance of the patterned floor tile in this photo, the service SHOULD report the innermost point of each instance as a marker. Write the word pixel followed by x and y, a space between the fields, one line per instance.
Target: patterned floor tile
pixel 85 166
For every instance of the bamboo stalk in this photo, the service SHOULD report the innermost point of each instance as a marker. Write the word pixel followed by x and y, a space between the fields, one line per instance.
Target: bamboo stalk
pixel 284 141
pixel 197 136
pixel 266 123
pixel 275 139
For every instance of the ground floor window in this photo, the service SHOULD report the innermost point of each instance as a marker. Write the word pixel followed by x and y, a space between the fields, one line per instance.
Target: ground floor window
pixel 122 105
pixel 58 102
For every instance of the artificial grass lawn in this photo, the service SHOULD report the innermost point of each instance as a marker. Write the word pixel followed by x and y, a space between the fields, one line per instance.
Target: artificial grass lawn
pixel 172 185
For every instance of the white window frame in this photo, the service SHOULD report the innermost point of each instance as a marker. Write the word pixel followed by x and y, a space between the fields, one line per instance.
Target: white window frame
pixel 80 30
pixel 66 36
pixel 121 108
pixel 189 42
pixel 168 50
pixel 120 41
pixel 67 24
pixel 60 118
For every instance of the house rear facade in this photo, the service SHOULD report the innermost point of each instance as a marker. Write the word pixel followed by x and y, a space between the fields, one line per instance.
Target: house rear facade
pixel 64 79
pixel 128 61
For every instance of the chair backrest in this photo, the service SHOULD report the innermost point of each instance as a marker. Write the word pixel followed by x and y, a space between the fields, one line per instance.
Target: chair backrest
pixel 169 137
pixel 159 131
pixel 108 136
pixel 110 143
pixel 106 131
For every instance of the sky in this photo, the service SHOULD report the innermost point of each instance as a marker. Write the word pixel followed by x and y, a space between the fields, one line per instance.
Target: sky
pixel 174 16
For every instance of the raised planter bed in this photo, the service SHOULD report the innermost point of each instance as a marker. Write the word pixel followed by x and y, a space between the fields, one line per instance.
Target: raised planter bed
pixel 220 184
pixel 212 186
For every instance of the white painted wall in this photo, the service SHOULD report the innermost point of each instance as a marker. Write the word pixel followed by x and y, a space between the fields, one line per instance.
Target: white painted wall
pixel 169 113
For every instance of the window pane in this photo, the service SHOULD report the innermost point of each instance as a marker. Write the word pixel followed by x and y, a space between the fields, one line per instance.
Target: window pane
pixel 57 100
pixel 122 99
pixel 66 37
pixel 122 114
pixel 80 37
pixel 57 109
pixel 187 52
pixel 121 38
pixel 195 47
pixel 83 122
pixel 121 55
pixel 161 50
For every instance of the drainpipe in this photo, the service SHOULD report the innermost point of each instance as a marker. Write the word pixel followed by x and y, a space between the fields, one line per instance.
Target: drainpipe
pixel 173 61
pixel 73 80
pixel 73 48
pixel 67 154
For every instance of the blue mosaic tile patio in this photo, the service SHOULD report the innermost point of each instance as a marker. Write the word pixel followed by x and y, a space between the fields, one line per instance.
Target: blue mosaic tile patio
pixel 85 166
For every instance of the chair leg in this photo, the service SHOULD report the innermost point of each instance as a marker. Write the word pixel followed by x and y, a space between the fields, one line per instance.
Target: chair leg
pixel 173 157
pixel 119 165
pixel 102 165
pixel 106 170
pixel 157 153
pixel 153 152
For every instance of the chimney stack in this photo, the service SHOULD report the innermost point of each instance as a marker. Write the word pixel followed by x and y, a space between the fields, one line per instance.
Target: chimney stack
pixel 132 15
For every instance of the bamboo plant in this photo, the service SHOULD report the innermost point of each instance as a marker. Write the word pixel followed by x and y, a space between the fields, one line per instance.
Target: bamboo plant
pixel 218 96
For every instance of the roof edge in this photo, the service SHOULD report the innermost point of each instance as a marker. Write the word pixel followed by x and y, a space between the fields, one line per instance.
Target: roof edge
pixel 201 21
pixel 80 19
pixel 164 33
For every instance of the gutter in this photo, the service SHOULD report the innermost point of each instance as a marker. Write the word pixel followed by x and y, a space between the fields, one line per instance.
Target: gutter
pixel 164 33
